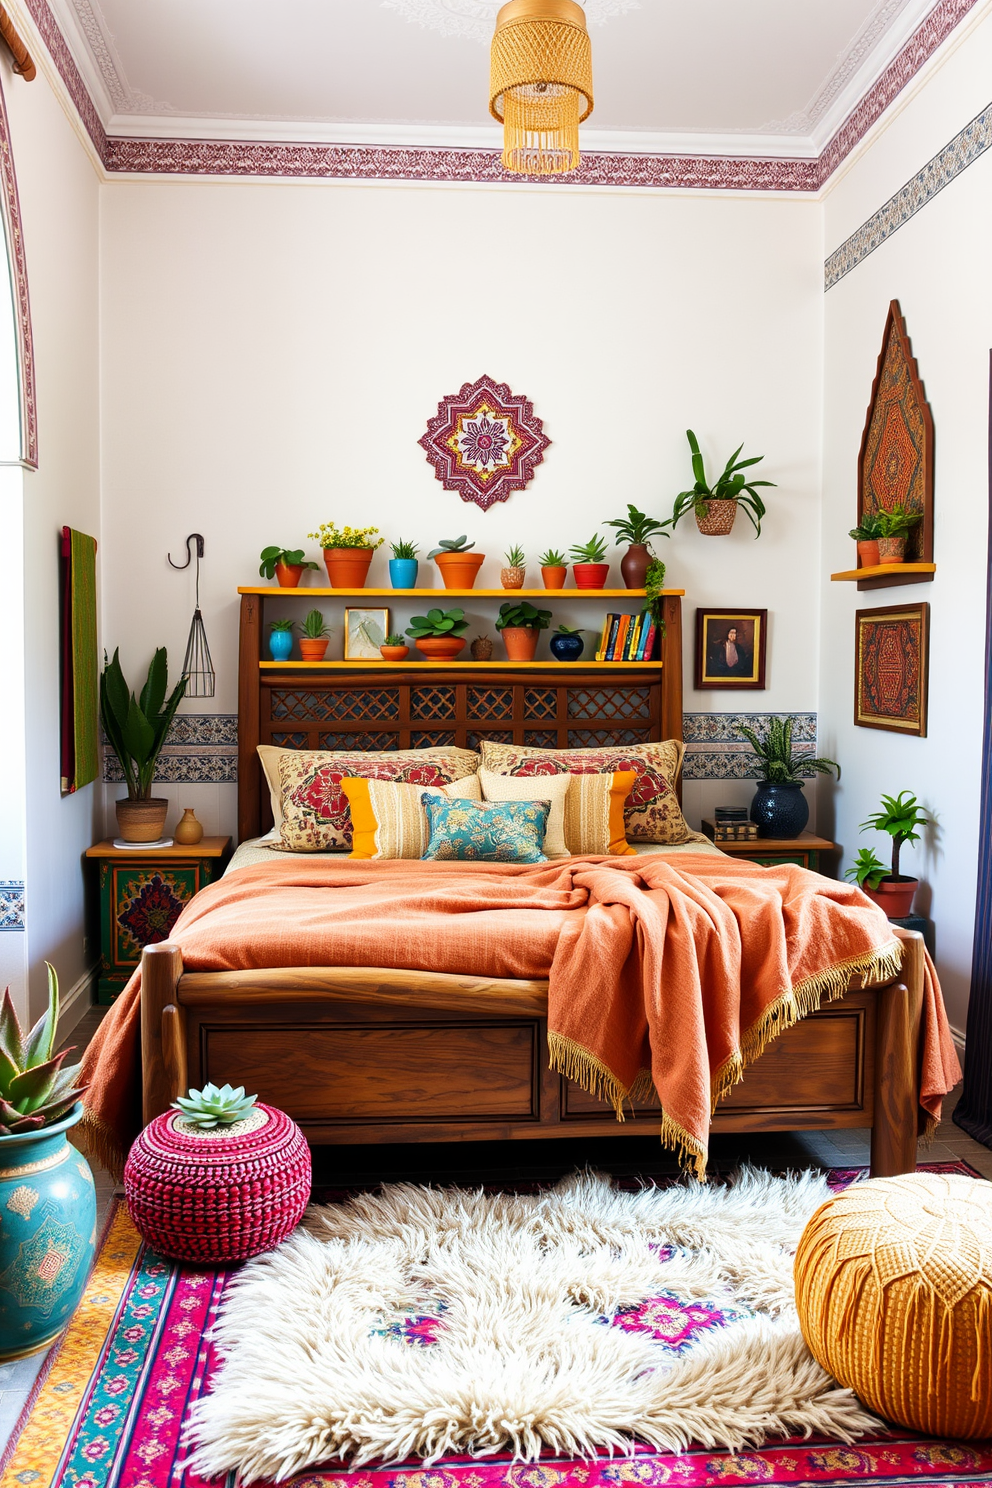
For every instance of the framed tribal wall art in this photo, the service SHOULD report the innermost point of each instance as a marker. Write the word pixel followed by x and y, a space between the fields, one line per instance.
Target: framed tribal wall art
pixel 730 649
pixel 890 668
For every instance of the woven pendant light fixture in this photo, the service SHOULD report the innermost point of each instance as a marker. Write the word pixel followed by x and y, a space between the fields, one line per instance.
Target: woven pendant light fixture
pixel 541 84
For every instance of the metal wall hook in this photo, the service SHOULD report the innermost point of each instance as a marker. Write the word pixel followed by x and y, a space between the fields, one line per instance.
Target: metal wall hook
pixel 189 552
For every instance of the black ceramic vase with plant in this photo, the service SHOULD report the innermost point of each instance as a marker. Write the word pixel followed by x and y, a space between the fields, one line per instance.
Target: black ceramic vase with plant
pixel 566 644
pixel 779 808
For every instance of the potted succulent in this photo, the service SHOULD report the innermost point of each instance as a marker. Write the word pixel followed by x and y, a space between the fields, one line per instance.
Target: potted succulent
pixel 394 647
pixel 280 639
pixel 136 729
pixel 520 626
pixel 866 537
pixel 403 566
pixel 513 575
pixel 587 563
pixel 894 527
pixel 900 816
pixel 347 553
pixel 314 636
pixel 438 633
pixel 715 506
pixel 779 807
pixel 458 564
pixel 554 569
pixel 47 1197
pixel 636 529
pixel 482 648
pixel 566 644
pixel 286 565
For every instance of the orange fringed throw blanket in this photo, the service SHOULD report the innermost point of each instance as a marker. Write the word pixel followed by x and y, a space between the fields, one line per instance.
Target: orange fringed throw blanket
pixel 676 971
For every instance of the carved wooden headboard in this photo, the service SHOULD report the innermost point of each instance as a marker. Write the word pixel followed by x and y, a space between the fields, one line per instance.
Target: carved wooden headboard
pixel 383 707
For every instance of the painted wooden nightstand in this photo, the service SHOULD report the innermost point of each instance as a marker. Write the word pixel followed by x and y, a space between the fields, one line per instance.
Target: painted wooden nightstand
pixel 142 893
pixel 804 850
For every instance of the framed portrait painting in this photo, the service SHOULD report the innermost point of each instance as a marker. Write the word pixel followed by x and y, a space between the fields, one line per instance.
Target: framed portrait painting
pixel 891 662
pixel 730 649
pixel 364 632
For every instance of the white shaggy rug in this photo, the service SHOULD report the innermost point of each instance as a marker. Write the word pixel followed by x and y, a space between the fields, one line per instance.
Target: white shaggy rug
pixel 421 1322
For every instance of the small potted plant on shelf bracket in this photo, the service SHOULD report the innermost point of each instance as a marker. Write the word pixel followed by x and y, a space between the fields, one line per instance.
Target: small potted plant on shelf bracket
pixel 779 807
pixel 348 553
pixel 894 527
pixel 281 639
pixel 438 633
pixel 587 563
pixel 554 569
pixel 715 506
pixel 136 729
pixel 567 644
pixel 513 575
pixel 866 537
pixel 286 565
pixel 403 566
pixel 520 625
pixel 637 530
pixel 458 564
pixel 394 647
pixel 900 816
pixel 314 636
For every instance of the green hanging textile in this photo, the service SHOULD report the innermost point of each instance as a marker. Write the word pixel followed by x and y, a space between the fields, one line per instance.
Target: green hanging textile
pixel 80 735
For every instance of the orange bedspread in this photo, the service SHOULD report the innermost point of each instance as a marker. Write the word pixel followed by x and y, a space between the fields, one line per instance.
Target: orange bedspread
pixel 675 970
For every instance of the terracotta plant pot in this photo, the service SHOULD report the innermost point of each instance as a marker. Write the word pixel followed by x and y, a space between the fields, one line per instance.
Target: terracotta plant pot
pixel 634 565
pixel 189 831
pixel 520 642
pixel 288 575
pixel 347 568
pixel 895 896
pixel 590 575
pixel 312 648
pixel 482 649
pixel 394 653
pixel 459 570
pixel 142 821
pixel 513 577
pixel 891 549
pixel 554 578
pixel 719 519
pixel 868 553
pixel 440 648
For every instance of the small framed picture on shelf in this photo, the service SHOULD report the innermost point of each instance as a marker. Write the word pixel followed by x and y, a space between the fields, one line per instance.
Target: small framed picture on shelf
pixel 364 632
pixel 730 649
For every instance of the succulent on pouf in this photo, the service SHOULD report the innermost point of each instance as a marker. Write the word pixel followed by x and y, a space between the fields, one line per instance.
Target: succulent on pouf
pixel 46 1187
pixel 214 1106
pixel 779 808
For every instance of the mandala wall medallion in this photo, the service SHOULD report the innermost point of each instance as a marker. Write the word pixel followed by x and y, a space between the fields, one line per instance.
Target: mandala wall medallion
pixel 484 442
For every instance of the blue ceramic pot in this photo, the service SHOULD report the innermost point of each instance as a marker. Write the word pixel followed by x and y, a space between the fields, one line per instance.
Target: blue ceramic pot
pixel 566 647
pixel 403 573
pixel 780 810
pixel 47 1237
pixel 280 644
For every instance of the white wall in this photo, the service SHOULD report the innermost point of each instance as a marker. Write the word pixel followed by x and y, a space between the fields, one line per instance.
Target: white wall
pixel 271 354
pixel 936 265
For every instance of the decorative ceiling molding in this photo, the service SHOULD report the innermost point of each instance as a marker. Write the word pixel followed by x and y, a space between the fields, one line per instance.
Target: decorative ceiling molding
pixel 475 19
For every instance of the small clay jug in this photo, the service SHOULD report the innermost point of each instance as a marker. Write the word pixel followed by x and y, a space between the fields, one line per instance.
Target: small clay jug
pixel 189 831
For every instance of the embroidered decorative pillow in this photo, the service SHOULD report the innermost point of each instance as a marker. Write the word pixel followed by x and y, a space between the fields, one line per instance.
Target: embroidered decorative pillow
pixel 486 832
pixel 586 810
pixel 652 812
pixel 315 813
pixel 388 819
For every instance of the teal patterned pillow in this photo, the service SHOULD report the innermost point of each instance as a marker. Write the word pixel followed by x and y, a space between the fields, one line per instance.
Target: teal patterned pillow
pixel 486 831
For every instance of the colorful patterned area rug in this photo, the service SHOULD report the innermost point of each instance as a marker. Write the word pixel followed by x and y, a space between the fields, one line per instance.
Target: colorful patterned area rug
pixel 108 1407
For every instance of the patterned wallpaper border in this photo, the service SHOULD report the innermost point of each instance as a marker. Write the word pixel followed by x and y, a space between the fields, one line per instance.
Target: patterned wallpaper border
pixel 963 150
pixel 12 909
pixel 714 749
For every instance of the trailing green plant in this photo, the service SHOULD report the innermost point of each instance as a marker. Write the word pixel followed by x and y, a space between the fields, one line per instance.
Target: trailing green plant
pixel 394 640
pixel 293 557
pixel 900 816
pixel 35 1090
pixel 137 727
pixel 522 616
pixel 437 623
pixel 289 625
pixel 776 761
pixel 451 545
pixel 552 559
pixel 637 527
pixel 594 551
pixel 866 870
pixel 867 529
pixel 569 630
pixel 331 536
pixel 215 1106
pixel 404 549
pixel 313 626
pixel 654 583
pixel 516 558
pixel 897 521
pixel 730 485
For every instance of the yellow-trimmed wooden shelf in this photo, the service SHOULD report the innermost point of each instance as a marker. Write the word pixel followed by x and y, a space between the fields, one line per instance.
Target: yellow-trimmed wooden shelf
pixel 436 594
pixel 886 575
pixel 457 665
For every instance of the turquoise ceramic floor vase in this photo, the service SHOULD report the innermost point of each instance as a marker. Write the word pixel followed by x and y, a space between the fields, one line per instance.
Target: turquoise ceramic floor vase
pixel 403 572
pixel 47 1235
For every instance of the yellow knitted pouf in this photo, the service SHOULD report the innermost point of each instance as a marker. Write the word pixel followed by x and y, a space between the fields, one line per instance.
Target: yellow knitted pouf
pixel 894 1291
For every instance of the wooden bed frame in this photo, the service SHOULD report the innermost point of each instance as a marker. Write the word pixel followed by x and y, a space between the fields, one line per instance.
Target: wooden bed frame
pixel 372 1055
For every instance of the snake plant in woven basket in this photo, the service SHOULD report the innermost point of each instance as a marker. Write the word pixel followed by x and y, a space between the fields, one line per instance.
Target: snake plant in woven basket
pixel 215 1106
pixel 34 1088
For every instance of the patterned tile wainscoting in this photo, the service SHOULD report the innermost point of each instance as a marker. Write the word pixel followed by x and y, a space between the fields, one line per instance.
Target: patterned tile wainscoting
pixel 202 749
pixel 11 904
pixel 714 749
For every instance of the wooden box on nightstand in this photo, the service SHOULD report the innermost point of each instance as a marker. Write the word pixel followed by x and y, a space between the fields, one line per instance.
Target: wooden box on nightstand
pixel 142 894
pixel 805 850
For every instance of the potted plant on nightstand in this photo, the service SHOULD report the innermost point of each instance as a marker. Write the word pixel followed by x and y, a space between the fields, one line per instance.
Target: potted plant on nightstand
pixel 403 566
pixel 136 729
pixel 587 563
pixel 715 506
pixel 513 575
pixel 438 633
pixel 286 565
pixel 314 636
pixel 779 807
pixel 554 569
pixel 637 530
pixel 894 527
pixel 347 553
pixel 520 626
pixel 900 816
pixel 458 564
pixel 394 648
pixel 280 639
pixel 866 537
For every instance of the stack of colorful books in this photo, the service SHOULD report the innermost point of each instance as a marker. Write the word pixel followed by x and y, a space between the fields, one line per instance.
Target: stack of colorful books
pixel 627 638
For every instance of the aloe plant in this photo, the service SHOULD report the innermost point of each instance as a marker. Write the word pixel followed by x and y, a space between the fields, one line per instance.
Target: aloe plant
pixel 215 1106
pixel 730 485
pixel 594 551
pixel 35 1090
pixel 138 727
pixel 776 761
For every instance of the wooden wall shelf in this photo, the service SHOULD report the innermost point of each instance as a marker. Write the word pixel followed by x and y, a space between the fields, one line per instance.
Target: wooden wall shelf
pixel 439 594
pixel 458 666
pixel 886 575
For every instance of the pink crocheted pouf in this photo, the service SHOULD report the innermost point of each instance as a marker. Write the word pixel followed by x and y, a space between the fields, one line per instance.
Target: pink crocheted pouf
pixel 220 1195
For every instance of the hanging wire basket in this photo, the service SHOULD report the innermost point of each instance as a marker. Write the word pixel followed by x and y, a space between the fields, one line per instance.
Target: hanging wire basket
pixel 198 667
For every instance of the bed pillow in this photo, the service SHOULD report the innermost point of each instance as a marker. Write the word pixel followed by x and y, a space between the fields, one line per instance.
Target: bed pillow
pixel 486 831
pixel 652 812
pixel 315 813
pixel 586 810
pixel 388 819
